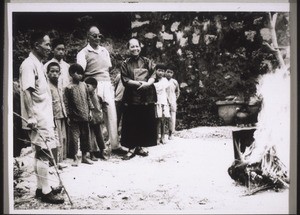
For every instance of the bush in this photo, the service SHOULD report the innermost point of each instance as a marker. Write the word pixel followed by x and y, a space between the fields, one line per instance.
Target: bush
pixel 216 54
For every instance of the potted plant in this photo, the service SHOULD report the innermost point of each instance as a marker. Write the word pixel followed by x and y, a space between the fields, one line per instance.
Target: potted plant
pixel 227 109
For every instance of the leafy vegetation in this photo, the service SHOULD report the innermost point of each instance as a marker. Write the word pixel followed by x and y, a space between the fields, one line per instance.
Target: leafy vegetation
pixel 215 54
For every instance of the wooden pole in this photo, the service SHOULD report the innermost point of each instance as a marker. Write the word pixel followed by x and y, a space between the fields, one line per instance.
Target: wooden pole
pixel 52 157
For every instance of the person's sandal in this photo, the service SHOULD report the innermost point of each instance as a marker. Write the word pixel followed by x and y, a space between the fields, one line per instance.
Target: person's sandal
pixel 129 155
pixel 140 151
pixel 119 151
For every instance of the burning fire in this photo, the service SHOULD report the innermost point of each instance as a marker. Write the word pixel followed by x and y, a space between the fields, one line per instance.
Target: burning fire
pixel 266 161
pixel 273 126
pixel 265 164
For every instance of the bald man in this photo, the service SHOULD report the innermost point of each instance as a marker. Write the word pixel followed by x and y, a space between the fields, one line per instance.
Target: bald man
pixel 95 60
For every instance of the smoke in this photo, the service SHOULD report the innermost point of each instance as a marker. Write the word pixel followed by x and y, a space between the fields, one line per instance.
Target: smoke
pixel 273 126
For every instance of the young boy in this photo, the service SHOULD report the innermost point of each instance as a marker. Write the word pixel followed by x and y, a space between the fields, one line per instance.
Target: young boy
pixel 58 46
pixel 59 51
pixel 162 106
pixel 97 140
pixel 78 105
pixel 173 93
pixel 59 111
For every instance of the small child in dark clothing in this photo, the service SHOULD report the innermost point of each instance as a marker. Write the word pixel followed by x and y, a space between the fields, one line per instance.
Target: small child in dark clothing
pixel 97 140
pixel 78 105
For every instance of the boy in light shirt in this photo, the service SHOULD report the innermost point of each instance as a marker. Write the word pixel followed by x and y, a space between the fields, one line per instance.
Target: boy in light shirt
pixel 173 93
pixel 162 105
pixel 59 52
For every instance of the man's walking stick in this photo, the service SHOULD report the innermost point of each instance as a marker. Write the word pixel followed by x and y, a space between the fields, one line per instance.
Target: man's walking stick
pixel 52 157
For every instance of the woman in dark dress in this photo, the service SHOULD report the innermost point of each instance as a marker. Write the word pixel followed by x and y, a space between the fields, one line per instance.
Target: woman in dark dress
pixel 139 122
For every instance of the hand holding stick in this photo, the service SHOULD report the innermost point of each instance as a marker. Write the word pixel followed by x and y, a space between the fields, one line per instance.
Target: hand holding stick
pixel 52 157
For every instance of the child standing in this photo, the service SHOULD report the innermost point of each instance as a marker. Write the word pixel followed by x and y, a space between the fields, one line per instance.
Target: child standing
pixel 59 111
pixel 97 140
pixel 162 106
pixel 59 52
pixel 78 106
pixel 173 93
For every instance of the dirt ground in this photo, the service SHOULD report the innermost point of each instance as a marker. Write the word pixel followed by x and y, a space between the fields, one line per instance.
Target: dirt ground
pixel 185 175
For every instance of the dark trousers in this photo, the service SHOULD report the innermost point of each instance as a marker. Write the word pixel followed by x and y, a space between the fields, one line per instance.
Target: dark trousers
pixel 97 134
pixel 79 130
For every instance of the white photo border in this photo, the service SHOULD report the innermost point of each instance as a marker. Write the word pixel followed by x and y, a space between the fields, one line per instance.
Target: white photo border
pixel 108 7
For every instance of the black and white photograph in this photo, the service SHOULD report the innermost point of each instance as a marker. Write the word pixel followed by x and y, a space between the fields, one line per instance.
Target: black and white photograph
pixel 150 108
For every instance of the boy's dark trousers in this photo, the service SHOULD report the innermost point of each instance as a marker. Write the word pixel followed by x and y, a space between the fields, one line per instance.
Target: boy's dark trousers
pixel 79 130
pixel 96 128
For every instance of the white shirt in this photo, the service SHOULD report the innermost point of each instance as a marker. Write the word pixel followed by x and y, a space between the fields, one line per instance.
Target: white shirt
pixel 32 76
pixel 161 91
pixel 64 78
pixel 173 92
pixel 95 62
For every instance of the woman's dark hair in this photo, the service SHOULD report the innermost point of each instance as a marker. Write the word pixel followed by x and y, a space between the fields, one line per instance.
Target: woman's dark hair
pixel 91 81
pixel 127 44
pixel 76 68
pixel 52 64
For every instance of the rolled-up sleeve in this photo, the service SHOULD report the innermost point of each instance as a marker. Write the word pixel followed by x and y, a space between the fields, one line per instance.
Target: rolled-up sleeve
pixel 27 77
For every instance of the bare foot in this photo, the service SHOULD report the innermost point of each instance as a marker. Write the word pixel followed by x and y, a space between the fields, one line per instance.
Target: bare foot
pixel 85 160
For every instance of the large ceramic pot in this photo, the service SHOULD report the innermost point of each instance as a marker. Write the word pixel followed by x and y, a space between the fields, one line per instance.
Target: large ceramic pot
pixel 227 110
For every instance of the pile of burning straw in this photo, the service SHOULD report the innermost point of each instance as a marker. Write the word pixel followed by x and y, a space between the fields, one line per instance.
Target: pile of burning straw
pixel 265 163
pixel 268 173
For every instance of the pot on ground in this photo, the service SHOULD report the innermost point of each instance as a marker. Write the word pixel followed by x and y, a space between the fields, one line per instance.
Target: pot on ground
pixel 227 110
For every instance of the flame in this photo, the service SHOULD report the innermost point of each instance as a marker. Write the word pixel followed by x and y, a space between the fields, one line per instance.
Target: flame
pixel 273 126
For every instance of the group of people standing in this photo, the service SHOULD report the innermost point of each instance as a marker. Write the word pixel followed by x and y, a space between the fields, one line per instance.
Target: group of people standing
pixel 64 106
